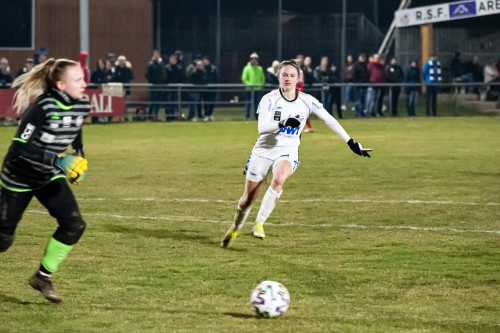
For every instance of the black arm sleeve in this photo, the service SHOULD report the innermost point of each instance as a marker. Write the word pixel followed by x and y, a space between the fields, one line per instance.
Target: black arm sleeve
pixel 77 145
pixel 32 152
pixel 31 124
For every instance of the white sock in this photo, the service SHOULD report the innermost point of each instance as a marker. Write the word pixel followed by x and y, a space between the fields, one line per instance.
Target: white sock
pixel 240 217
pixel 268 204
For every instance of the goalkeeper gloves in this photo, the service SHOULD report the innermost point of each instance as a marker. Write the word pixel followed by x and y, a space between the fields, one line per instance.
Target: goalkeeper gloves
pixel 357 148
pixel 75 167
pixel 289 122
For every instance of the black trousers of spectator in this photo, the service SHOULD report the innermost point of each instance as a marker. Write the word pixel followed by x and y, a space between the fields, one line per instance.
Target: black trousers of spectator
pixel 395 91
pixel 156 99
pixel 208 102
pixel 431 100
pixel 170 108
pixel 380 102
pixel 257 95
pixel 337 100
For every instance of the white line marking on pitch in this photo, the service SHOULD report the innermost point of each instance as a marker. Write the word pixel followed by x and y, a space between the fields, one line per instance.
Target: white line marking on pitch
pixel 431 202
pixel 354 226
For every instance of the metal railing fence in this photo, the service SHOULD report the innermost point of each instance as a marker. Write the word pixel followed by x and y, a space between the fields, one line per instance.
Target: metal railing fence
pixel 240 95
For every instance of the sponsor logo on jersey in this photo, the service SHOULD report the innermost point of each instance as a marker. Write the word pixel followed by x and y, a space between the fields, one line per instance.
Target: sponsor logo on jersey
pixel 28 131
pixel 47 138
pixel 277 114
pixel 79 121
pixel 66 121
pixel 290 130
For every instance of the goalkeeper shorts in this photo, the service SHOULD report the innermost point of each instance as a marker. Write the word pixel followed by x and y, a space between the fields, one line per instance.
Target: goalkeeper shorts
pixel 258 167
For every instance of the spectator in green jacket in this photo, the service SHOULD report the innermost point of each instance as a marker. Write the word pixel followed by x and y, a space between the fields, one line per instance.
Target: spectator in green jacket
pixel 253 76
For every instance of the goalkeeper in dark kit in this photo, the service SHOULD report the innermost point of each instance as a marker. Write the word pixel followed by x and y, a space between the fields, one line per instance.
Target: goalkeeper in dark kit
pixel 36 164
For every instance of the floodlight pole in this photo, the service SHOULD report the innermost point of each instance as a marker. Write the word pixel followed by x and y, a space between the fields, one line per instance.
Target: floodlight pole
pixel 158 26
pixel 280 31
pixel 343 40
pixel 84 25
pixel 218 37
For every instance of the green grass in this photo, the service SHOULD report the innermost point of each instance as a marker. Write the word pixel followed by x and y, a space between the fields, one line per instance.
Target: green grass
pixel 348 240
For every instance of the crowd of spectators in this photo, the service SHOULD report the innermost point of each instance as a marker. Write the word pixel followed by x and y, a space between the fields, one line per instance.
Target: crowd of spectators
pixel 364 83
pixel 472 71
pixel 199 72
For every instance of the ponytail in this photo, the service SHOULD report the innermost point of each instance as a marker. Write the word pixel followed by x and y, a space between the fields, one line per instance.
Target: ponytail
pixel 39 80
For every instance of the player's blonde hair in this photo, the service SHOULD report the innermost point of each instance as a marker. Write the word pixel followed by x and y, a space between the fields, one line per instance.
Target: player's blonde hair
pixel 39 80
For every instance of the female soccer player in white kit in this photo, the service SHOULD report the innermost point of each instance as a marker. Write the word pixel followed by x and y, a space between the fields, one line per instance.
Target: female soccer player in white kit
pixel 282 117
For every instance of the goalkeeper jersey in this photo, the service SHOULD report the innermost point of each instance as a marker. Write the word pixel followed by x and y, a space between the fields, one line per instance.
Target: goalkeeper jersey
pixel 48 126
pixel 275 142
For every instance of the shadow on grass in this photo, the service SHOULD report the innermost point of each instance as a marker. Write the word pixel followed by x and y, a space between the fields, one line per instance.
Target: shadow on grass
pixel 241 315
pixel 15 300
pixel 233 248
pixel 178 234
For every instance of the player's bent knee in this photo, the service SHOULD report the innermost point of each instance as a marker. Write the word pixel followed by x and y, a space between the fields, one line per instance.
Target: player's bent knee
pixel 70 230
pixel 6 241
pixel 278 182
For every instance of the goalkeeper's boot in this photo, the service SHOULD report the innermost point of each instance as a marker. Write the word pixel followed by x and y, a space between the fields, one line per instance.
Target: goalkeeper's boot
pixel 44 285
pixel 229 237
pixel 258 230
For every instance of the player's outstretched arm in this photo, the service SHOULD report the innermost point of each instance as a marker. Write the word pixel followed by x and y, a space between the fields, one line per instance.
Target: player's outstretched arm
pixel 357 148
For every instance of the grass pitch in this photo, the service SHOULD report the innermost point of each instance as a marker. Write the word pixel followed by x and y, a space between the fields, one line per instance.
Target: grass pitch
pixel 407 241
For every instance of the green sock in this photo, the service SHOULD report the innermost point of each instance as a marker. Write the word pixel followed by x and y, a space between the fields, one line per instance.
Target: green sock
pixel 55 254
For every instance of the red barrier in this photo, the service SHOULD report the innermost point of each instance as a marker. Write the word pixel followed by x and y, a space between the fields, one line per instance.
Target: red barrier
pixel 101 106
pixel 105 106
pixel 6 99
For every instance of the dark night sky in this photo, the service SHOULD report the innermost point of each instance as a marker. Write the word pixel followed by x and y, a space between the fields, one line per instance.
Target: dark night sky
pixel 188 25
pixel 385 8
pixel 269 7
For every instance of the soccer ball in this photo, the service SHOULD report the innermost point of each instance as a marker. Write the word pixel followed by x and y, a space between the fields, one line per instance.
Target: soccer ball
pixel 270 299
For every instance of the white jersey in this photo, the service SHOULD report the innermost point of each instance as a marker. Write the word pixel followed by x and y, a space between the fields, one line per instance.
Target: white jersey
pixel 273 107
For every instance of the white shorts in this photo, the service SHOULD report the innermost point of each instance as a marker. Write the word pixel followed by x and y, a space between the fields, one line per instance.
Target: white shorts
pixel 258 167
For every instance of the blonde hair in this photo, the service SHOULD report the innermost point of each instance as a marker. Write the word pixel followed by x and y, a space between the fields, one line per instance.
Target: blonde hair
pixel 39 80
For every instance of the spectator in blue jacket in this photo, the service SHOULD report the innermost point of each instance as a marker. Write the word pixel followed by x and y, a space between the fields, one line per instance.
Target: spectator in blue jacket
pixel 431 74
